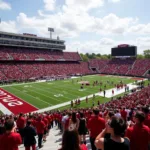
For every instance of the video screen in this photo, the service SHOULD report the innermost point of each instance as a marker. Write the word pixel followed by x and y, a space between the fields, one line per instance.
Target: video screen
pixel 124 51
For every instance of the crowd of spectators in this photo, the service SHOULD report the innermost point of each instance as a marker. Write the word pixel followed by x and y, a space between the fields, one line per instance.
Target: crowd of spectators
pixel 25 63
pixel 36 54
pixel 27 70
pixel 140 67
pixel 128 66
pixel 122 123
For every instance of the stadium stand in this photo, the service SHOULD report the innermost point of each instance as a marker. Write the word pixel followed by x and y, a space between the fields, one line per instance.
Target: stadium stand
pixel 36 54
pixel 128 66
pixel 26 70
pixel 140 67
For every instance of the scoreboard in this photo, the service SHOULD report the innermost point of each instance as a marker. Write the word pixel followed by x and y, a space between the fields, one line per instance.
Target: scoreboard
pixel 124 50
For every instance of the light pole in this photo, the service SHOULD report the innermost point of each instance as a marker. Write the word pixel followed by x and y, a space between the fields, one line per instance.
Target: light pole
pixel 51 30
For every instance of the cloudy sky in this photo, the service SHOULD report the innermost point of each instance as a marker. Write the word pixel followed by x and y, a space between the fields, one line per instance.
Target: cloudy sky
pixel 85 25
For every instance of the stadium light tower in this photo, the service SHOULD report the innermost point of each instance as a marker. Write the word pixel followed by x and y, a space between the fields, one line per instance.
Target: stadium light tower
pixel 51 30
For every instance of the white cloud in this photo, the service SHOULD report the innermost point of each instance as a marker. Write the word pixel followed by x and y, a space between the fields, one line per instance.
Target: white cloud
pixel 9 26
pixel 83 5
pixel 102 46
pixel 4 5
pixel 49 4
pixel 74 19
pixel 140 29
pixel 114 1
pixel 71 24
pixel 143 43
pixel 112 24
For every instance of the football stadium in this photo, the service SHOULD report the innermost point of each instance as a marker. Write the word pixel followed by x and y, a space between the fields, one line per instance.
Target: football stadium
pixel 41 75
pixel 54 99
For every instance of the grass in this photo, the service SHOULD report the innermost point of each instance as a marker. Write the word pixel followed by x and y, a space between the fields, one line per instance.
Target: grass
pixel 51 93
pixel 83 104
pixel 1 112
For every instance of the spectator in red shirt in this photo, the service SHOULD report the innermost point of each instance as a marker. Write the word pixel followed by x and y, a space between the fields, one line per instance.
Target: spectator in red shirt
pixel 95 125
pixel 123 114
pixel 10 140
pixel 139 134
pixel 21 124
pixel 70 141
pixel 45 120
pixel 147 116
pixel 40 126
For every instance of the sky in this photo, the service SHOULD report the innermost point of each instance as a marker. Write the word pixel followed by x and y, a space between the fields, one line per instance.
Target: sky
pixel 87 26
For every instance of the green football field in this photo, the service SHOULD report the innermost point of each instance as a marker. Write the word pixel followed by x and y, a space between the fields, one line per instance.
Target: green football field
pixel 46 94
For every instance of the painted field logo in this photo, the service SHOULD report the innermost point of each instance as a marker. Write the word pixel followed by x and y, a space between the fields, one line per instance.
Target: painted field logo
pixel 26 86
pixel 10 100
pixel 82 90
pixel 59 95
pixel 15 104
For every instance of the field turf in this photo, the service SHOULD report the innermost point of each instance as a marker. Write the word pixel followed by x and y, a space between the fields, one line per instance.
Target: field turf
pixel 51 93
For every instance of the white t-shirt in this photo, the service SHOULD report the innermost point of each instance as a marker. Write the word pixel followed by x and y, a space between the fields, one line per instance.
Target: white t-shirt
pixel 128 111
pixel 118 115
pixel 64 118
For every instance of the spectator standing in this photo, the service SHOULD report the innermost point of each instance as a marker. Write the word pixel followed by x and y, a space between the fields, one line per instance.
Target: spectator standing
pixel 95 125
pixel 104 93
pixel 40 127
pixel 123 113
pixel 139 134
pixel 29 136
pixel 73 122
pixel 71 141
pixel 116 127
pixel 147 116
pixel 2 127
pixel 10 140
pixel 21 124
pixel 82 128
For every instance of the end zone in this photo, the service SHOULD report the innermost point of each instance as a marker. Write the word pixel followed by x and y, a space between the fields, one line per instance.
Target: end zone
pixel 14 104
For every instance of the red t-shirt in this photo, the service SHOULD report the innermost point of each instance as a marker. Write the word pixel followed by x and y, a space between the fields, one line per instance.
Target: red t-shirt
pixel 10 141
pixel 96 124
pixel 34 122
pixel 49 118
pixel 139 137
pixel 67 123
pixel 40 126
pixel 83 147
pixel 45 121
pixel 21 122
pixel 123 114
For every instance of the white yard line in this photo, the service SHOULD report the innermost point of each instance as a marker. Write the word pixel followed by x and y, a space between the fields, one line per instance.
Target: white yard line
pixel 4 109
pixel 31 96
pixel 108 95
pixel 36 82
